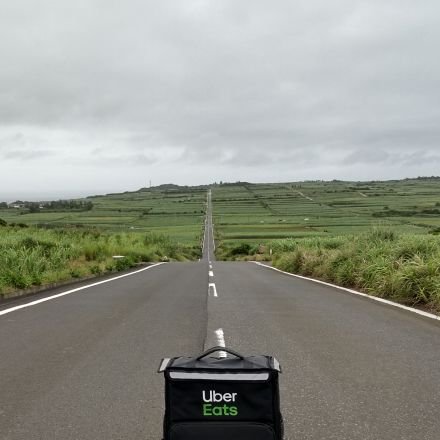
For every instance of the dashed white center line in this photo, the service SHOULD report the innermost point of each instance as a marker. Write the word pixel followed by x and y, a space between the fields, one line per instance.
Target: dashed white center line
pixel 210 266
pixel 220 335
pixel 213 289
pixel 211 273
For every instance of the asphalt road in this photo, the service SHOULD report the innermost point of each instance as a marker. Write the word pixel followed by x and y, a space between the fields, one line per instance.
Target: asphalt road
pixel 83 366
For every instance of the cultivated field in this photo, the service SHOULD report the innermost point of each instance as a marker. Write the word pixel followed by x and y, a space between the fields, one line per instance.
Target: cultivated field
pixel 258 213
pixel 177 212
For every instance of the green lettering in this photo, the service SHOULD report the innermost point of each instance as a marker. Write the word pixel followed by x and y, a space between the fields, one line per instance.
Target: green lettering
pixel 217 411
pixel 233 411
pixel 225 410
pixel 207 409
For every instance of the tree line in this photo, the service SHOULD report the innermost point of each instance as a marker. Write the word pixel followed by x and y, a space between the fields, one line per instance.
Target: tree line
pixel 56 205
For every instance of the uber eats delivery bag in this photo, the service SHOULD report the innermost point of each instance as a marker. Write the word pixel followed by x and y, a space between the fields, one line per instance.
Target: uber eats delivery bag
pixel 209 398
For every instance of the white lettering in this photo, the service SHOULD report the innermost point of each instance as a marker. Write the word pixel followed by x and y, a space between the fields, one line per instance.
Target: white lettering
pixel 227 397
pixel 213 396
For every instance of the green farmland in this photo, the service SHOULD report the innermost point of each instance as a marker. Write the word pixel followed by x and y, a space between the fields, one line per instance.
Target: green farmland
pixel 177 212
pixel 259 213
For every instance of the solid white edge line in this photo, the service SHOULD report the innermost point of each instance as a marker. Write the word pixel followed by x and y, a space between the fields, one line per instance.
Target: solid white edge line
pixel 355 292
pixel 68 292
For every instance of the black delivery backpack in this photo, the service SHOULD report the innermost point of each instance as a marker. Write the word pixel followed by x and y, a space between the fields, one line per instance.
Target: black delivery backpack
pixel 230 398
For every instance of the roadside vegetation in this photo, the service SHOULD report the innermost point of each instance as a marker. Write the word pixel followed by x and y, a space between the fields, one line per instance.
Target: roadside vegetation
pixel 400 267
pixel 31 256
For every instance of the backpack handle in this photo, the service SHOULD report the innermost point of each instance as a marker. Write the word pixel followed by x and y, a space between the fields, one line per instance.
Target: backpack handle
pixel 218 348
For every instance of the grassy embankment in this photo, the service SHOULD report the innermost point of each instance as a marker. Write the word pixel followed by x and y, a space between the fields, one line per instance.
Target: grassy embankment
pixel 34 256
pixel 164 223
pixel 404 268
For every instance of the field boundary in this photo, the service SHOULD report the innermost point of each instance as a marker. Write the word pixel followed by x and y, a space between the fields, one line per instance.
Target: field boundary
pixel 354 292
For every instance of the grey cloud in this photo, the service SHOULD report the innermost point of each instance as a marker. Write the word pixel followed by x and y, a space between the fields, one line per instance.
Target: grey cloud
pixel 123 159
pixel 236 87
pixel 418 158
pixel 26 155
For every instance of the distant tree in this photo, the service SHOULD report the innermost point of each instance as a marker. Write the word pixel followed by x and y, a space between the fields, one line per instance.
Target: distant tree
pixel 3 205
pixel 34 207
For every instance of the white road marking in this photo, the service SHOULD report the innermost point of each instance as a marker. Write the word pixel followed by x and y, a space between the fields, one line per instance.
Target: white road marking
pixel 68 292
pixel 214 289
pixel 210 266
pixel 211 273
pixel 355 292
pixel 220 335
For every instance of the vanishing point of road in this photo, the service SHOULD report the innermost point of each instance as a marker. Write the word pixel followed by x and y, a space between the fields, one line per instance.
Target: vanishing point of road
pixel 83 365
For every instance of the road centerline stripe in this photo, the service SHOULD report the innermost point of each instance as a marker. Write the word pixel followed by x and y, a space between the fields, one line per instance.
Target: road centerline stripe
pixel 211 273
pixel 68 292
pixel 211 287
pixel 220 335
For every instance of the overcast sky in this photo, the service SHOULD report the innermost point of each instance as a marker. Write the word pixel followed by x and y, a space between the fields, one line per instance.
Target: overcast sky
pixel 105 95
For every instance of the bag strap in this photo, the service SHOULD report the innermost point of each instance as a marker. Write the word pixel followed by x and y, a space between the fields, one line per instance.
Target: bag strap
pixel 218 348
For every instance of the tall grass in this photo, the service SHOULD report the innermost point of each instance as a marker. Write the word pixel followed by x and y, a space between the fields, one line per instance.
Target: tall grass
pixel 33 256
pixel 404 268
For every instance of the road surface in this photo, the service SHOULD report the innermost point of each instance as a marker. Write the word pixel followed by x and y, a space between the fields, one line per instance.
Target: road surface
pixel 83 366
